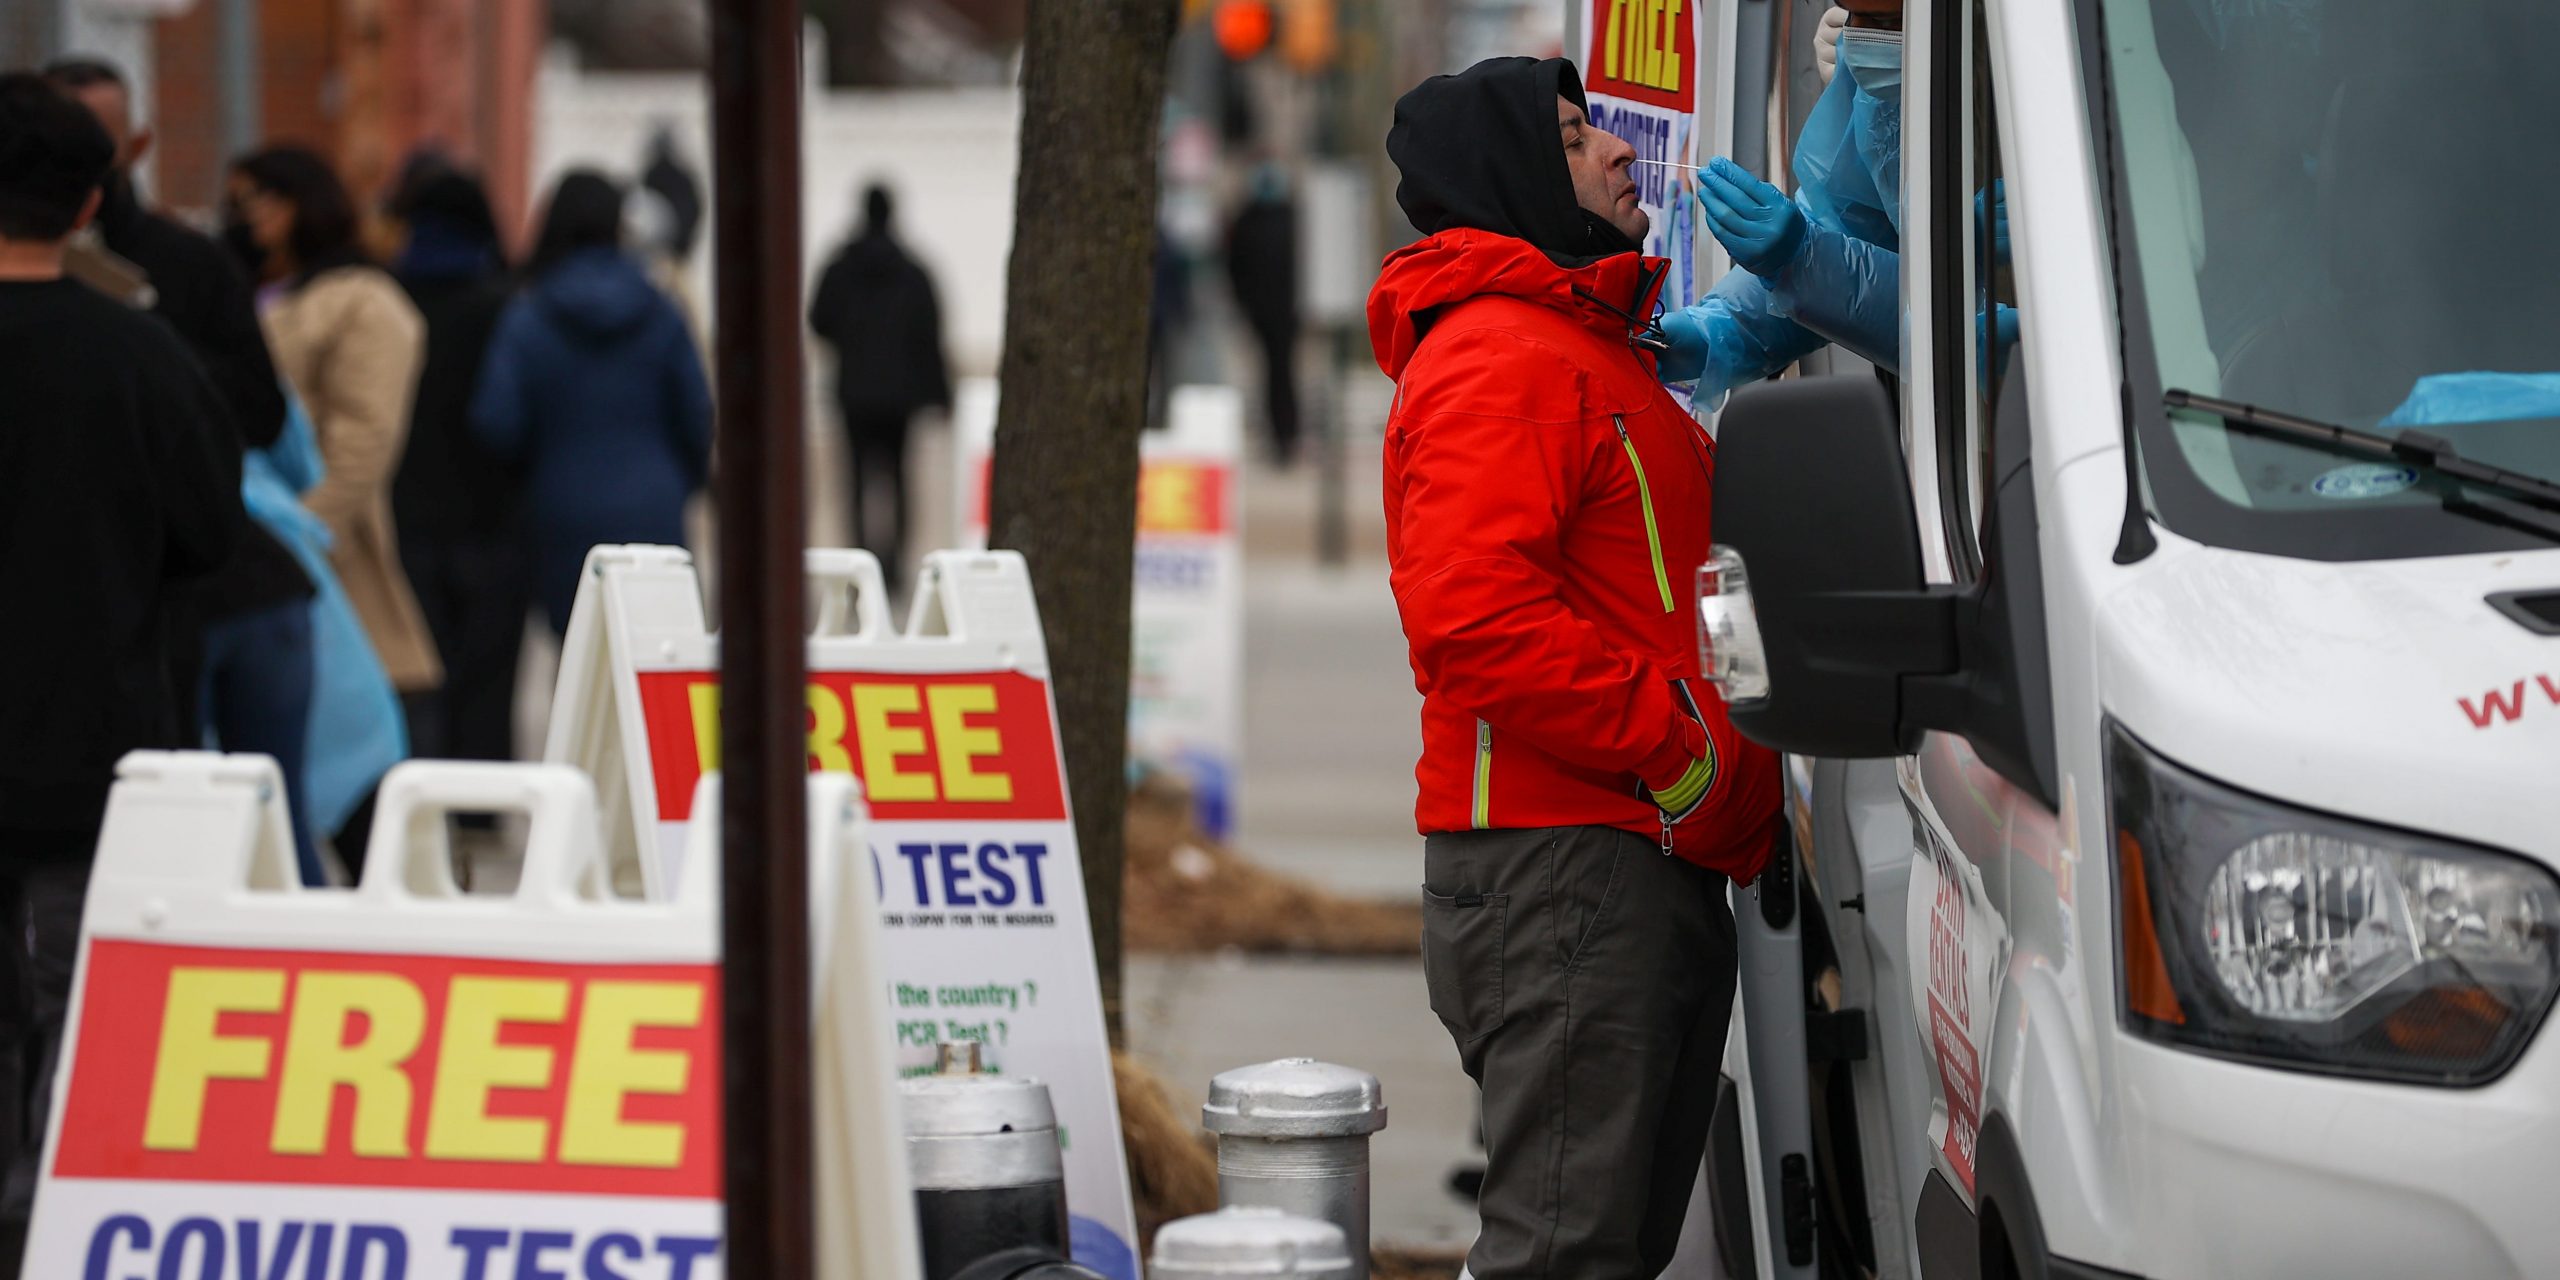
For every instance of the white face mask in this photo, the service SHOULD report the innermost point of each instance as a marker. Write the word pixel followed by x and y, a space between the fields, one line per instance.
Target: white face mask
pixel 1874 59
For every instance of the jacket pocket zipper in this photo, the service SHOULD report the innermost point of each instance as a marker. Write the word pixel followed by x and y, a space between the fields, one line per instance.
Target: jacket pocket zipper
pixel 1644 498
pixel 1688 707
pixel 1483 816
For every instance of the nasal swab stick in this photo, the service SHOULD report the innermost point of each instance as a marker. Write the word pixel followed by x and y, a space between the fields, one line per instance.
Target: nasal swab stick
pixel 1665 164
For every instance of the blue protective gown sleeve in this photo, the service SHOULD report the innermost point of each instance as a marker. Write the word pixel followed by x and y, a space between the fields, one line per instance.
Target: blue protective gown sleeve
pixel 1731 337
pixel 2442 399
pixel 1846 290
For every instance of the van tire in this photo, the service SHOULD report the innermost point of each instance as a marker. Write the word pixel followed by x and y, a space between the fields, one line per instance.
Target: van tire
pixel 2012 1233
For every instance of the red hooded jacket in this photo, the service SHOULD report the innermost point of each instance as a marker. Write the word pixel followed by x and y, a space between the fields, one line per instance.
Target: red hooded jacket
pixel 1547 510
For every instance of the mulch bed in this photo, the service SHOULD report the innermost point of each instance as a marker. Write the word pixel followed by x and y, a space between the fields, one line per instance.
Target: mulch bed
pixel 1186 893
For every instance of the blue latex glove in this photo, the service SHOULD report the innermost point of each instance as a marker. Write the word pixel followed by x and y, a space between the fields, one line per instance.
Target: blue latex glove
pixel 1755 221
pixel 1731 337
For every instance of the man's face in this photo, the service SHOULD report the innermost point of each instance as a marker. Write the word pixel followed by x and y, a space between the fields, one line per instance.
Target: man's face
pixel 1602 165
pixel 113 107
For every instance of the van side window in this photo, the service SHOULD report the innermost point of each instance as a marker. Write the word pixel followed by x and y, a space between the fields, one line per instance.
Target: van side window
pixel 1986 313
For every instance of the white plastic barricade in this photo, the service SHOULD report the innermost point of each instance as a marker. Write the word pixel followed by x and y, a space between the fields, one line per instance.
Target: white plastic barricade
pixel 637 608
pixel 405 1081
pixel 951 728
pixel 1186 605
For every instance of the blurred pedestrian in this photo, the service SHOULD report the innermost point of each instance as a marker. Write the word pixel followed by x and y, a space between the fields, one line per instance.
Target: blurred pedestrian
pixel 349 342
pixel 240 643
pixel 114 485
pixel 457 504
pixel 650 236
pixel 668 200
pixel 1262 267
pixel 199 289
pixel 876 308
pixel 355 731
pixel 592 385
pixel 672 180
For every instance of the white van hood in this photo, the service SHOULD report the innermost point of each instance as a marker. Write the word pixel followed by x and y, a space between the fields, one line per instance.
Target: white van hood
pixel 2384 690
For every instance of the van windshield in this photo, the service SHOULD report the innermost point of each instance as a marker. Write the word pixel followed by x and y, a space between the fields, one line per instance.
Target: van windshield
pixel 2346 210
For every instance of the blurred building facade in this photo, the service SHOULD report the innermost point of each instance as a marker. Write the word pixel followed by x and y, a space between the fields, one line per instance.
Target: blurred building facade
pixel 362 81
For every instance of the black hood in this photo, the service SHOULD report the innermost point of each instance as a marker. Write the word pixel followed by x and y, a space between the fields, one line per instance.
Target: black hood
pixel 1480 149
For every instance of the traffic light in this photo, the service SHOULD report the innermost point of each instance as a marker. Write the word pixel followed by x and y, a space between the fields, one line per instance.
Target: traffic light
pixel 1308 36
pixel 1243 28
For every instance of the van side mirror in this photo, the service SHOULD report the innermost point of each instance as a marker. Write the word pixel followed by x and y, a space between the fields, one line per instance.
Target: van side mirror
pixel 1810 493
pixel 1861 654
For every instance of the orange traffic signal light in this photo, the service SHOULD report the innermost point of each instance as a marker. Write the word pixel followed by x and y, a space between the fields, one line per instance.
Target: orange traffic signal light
pixel 1243 27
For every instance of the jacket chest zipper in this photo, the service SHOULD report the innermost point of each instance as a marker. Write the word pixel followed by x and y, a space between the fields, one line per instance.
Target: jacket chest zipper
pixel 1483 811
pixel 1644 499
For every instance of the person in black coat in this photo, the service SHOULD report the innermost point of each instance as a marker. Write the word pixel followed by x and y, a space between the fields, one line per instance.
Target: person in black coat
pixel 240 641
pixel 1262 267
pixel 115 486
pixel 672 181
pixel 457 506
pixel 875 306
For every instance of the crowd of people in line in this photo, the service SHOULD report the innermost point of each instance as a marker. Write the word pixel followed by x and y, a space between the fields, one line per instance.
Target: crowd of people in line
pixel 292 488
pixel 428 436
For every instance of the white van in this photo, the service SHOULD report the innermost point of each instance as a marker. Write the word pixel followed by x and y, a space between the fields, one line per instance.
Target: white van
pixel 2176 782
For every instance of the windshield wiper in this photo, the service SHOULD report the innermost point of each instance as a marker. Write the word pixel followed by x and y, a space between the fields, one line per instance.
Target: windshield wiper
pixel 2416 448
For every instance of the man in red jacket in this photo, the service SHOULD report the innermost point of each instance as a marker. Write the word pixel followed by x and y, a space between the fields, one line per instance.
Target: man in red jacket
pixel 1585 801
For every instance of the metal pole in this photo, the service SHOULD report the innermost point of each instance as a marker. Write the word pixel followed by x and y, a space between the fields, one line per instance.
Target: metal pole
pixel 764 877
pixel 241 81
pixel 1333 452
pixel 1755 61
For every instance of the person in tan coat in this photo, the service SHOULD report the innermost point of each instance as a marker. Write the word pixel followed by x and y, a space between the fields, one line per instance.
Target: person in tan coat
pixel 347 339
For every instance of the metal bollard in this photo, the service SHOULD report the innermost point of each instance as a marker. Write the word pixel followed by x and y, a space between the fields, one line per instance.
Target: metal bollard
pixel 1293 1135
pixel 1243 1240
pixel 989 1175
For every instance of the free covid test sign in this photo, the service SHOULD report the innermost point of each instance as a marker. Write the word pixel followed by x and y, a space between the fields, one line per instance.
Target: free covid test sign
pixel 316 1115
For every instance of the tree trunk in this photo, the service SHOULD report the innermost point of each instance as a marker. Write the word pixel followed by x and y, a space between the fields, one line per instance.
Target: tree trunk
pixel 1065 486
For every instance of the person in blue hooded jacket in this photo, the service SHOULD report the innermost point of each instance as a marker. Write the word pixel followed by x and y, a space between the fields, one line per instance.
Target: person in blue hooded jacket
pixel 593 386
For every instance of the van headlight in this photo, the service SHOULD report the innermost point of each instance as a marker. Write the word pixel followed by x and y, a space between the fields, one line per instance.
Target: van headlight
pixel 2257 930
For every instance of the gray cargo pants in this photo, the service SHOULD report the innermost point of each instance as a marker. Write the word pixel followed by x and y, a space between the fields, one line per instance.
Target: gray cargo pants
pixel 1587 979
